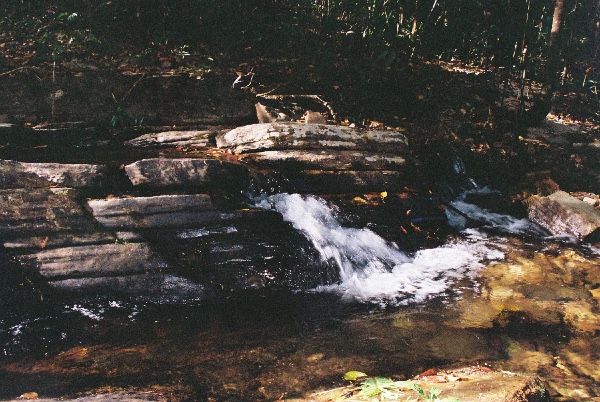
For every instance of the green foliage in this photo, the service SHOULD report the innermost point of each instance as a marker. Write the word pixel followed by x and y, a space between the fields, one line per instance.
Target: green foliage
pixel 369 387
pixel 433 395
pixel 374 386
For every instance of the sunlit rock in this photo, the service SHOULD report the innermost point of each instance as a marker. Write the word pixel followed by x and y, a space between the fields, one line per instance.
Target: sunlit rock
pixel 259 137
pixel 582 354
pixel 581 315
pixel 20 174
pixel 563 214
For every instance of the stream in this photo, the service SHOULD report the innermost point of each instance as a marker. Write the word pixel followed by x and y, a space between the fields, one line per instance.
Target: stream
pixel 323 295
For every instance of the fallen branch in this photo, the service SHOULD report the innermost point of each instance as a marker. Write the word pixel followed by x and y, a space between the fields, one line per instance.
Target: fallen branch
pixel 19 69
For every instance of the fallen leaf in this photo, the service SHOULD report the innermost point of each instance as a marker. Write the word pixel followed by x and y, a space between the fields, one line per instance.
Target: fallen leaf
pixel 29 395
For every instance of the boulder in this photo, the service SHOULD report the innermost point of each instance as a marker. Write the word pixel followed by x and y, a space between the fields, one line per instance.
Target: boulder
pixel 94 261
pixel 15 174
pixel 282 135
pixel 162 172
pixel 562 214
pixel 155 212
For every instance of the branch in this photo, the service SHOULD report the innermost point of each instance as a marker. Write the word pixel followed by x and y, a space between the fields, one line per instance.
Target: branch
pixel 19 69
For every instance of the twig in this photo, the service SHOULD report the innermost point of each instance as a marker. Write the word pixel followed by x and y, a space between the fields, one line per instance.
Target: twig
pixel 19 69
pixel 117 103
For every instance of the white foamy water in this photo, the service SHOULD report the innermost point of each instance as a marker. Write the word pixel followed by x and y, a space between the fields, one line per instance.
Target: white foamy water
pixel 486 218
pixel 374 270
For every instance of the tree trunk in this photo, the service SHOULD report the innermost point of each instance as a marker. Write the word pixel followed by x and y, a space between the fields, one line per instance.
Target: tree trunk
pixel 553 65
pixel 596 31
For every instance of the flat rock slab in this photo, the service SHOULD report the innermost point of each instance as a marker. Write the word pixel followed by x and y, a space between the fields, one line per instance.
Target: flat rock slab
pixel 15 174
pixel 266 136
pixel 94 261
pixel 59 239
pixel 162 172
pixel 156 212
pixel 325 160
pixel 562 214
pixel 172 139
pixel 469 386
pixel 42 211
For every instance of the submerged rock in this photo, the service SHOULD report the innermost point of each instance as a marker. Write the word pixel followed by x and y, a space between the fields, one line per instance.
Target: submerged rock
pixel 563 214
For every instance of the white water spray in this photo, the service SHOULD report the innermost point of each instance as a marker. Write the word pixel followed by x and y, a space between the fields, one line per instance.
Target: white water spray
pixel 372 269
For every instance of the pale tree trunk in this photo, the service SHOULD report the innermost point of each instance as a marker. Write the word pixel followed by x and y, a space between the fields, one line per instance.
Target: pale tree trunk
pixel 553 64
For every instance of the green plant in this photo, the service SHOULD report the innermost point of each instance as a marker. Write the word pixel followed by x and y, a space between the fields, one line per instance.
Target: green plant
pixel 430 396
pixel 374 386
pixel 369 387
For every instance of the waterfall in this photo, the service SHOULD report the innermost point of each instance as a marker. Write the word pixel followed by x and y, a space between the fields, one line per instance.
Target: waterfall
pixel 373 269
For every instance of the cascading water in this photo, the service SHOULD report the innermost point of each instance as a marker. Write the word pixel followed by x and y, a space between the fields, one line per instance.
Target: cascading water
pixel 372 269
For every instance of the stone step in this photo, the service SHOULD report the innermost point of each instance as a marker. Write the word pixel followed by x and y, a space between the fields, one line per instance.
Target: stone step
pixel 163 172
pixel 156 212
pixel 94 261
